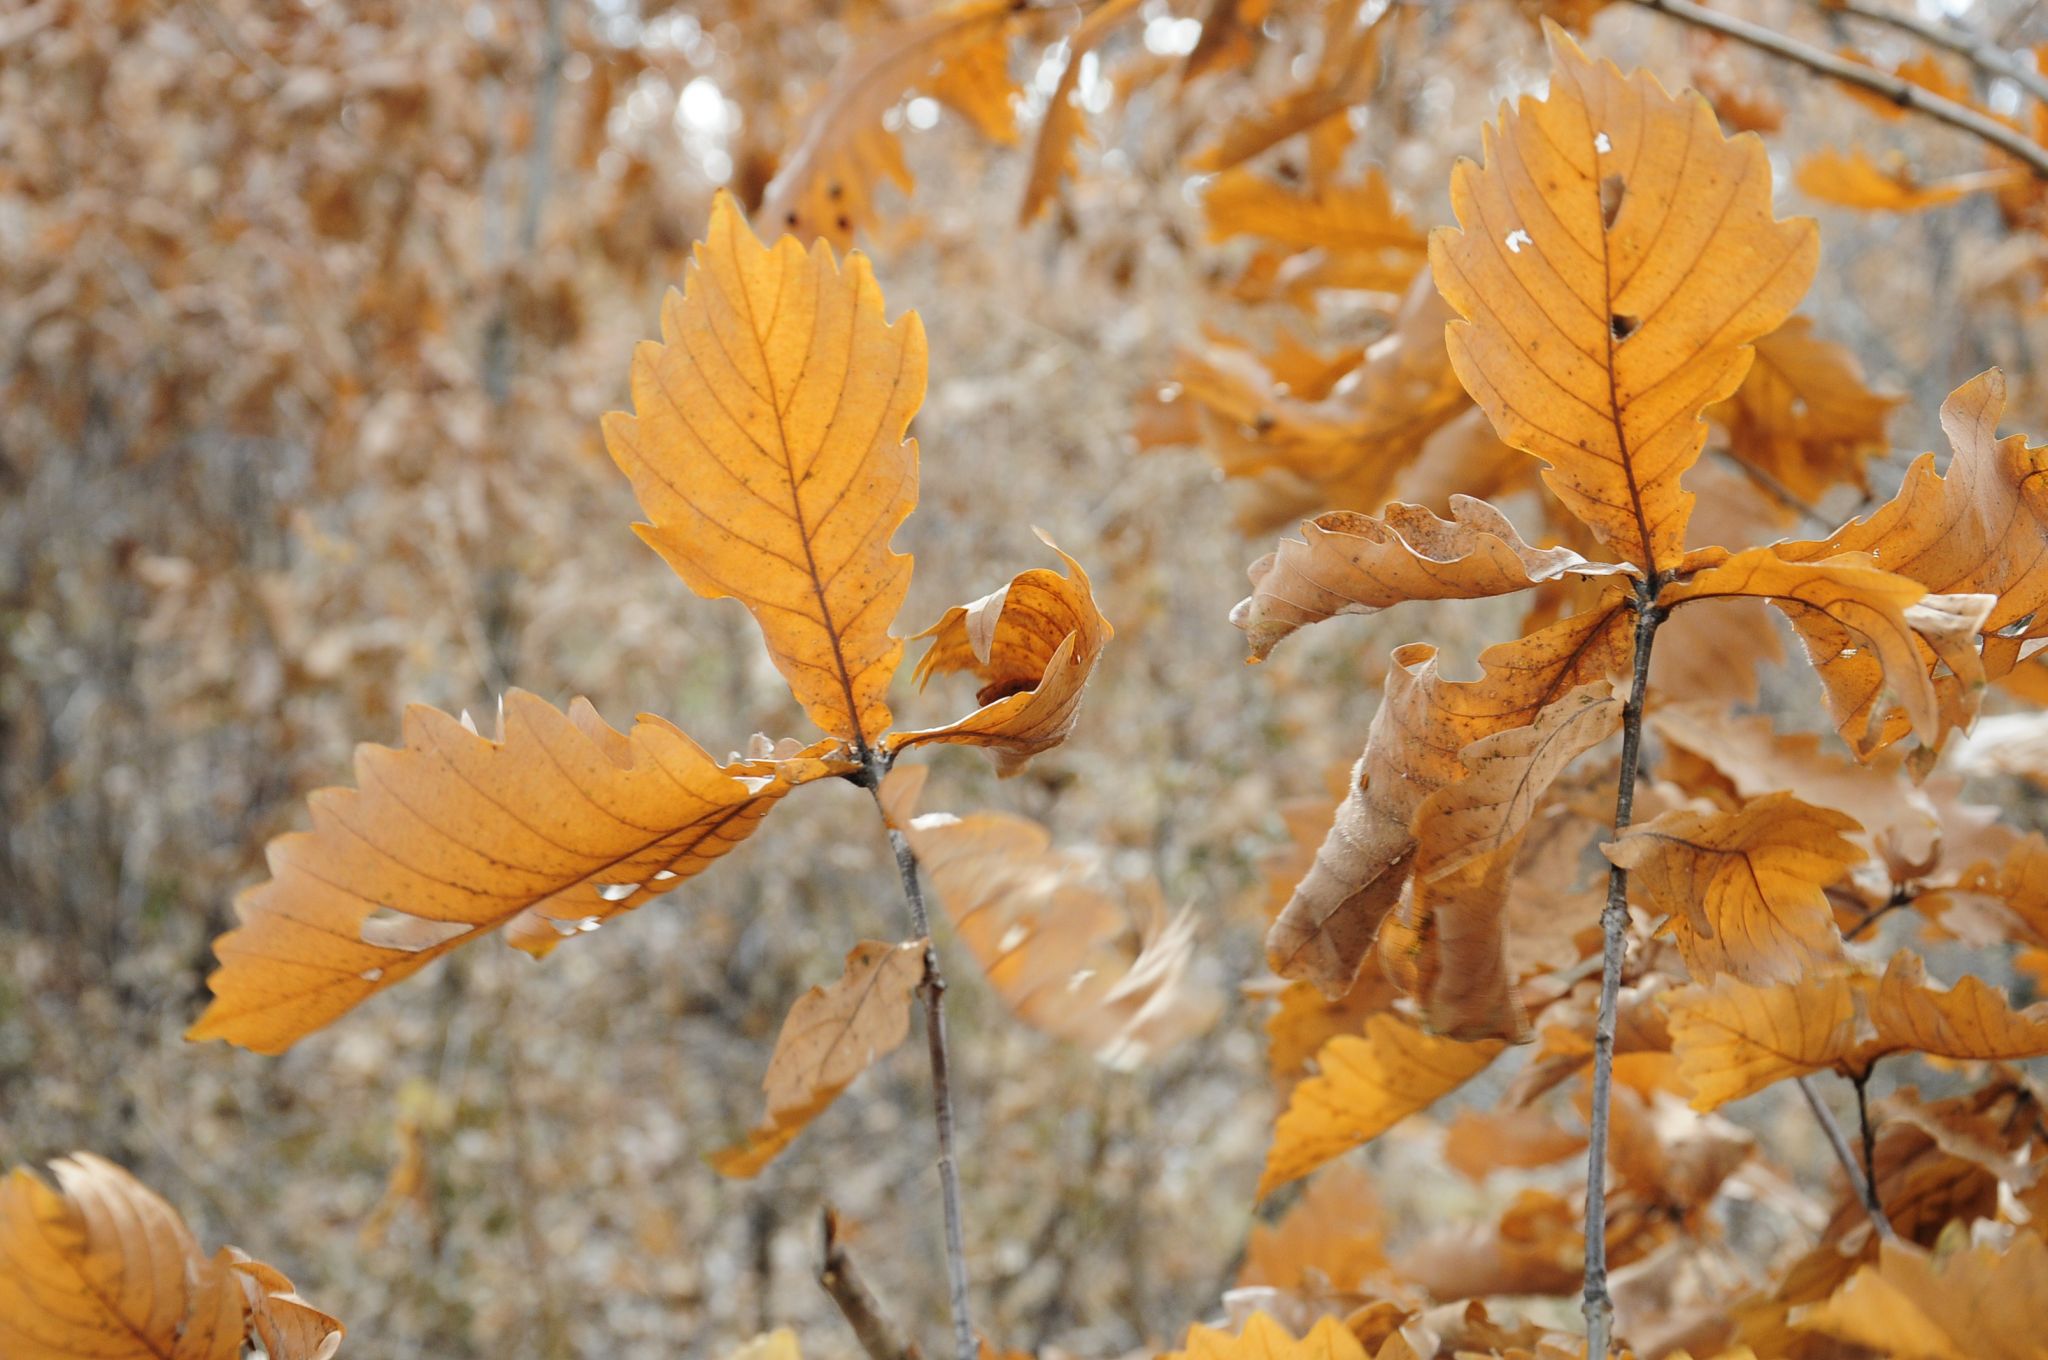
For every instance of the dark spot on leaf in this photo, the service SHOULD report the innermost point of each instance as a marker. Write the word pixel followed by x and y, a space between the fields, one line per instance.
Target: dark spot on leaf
pixel 1622 327
pixel 1612 191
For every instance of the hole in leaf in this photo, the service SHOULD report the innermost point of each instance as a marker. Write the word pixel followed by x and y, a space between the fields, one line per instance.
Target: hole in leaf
pixel 1622 327
pixel 1516 239
pixel 389 928
pixel 1612 190
pixel 617 892
pixel 664 875
pixel 371 975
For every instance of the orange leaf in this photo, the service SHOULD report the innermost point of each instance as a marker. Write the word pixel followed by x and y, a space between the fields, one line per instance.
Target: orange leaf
pixel 1367 1085
pixel 102 1266
pixel 1866 631
pixel 831 1036
pixel 1617 255
pixel 1982 1302
pixel 1052 155
pixel 1734 1038
pixel 1745 890
pixel 1854 180
pixel 558 825
pixel 1365 242
pixel 1970 1021
pixel 1803 415
pixel 1033 644
pixel 1265 1339
pixel 1351 563
pixel 1334 1237
pixel 768 455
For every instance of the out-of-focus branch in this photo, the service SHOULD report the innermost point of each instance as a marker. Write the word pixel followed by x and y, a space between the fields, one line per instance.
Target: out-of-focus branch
pixel 1982 53
pixel 1863 1186
pixel 872 1326
pixel 1904 93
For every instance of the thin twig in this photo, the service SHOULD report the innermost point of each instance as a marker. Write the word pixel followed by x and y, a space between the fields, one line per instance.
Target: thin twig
pixel 872 1326
pixel 1778 491
pixel 1857 1181
pixel 1598 1305
pixel 1904 93
pixel 1982 53
pixel 933 990
pixel 1872 1195
pixel 1901 897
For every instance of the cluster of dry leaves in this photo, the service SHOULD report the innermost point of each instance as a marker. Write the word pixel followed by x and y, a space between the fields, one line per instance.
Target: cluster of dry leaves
pixel 1584 850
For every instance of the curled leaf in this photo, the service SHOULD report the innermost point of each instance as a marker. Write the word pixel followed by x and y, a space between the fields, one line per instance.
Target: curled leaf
pixel 560 823
pixel 1351 563
pixel 767 452
pixel 1033 644
pixel 831 1036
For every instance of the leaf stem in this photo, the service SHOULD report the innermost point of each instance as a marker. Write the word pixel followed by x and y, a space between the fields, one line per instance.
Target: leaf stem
pixel 1864 1188
pixel 1871 1196
pixel 1904 93
pixel 875 766
pixel 1598 1304
pixel 872 1326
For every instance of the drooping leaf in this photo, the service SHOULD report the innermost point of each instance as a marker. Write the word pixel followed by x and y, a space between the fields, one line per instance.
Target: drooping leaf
pixel 1363 241
pixel 1867 632
pixel 1265 1339
pixel 1067 956
pixel 825 189
pixel 1346 72
pixel 1745 890
pixel 1368 1083
pixel 1423 722
pixel 1351 563
pixel 1616 257
pixel 1979 528
pixel 1032 644
pixel 767 452
pixel 831 1036
pixel 559 824
pixel 102 1266
pixel 1468 834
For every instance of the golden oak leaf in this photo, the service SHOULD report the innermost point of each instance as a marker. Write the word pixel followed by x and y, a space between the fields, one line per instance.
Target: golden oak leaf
pixel 1617 255
pixel 1368 1084
pixel 1306 1020
pixel 1346 562
pixel 1867 631
pixel 1334 1237
pixel 559 824
pixel 1424 721
pixel 1980 528
pixel 102 1266
pixel 1065 955
pixel 1734 1038
pixel 1803 415
pixel 1970 1021
pixel 767 452
pixel 1744 890
pixel 1033 645
pixel 1364 242
pixel 826 187
pixel 1265 1339
pixel 1982 1302
pixel 1468 834
pixel 831 1036
pixel 289 1327
pixel 1854 180
pixel 1052 155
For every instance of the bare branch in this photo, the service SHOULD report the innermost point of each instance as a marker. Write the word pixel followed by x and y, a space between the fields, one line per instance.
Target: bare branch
pixel 872 1326
pixel 1863 1186
pixel 1904 93
pixel 1987 56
